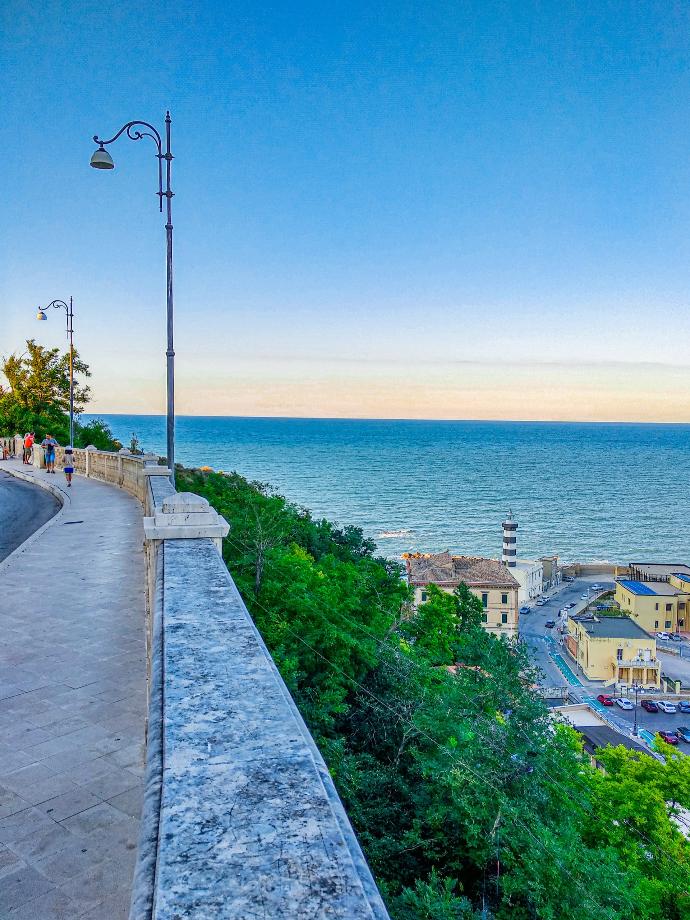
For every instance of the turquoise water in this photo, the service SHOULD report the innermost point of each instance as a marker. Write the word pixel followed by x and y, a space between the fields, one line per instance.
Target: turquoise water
pixel 585 491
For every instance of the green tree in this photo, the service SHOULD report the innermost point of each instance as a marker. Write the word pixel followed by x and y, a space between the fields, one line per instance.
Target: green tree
pixel 36 397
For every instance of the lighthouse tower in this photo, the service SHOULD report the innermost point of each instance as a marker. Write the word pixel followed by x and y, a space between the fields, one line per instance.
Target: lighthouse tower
pixel 509 541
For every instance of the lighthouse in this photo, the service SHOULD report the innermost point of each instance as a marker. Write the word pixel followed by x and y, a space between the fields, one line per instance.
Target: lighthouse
pixel 509 557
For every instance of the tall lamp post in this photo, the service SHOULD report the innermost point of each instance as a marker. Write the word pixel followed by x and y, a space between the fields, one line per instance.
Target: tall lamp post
pixel 637 690
pixel 70 332
pixel 101 159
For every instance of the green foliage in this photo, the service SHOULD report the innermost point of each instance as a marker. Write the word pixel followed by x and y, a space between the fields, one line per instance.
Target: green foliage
pixel 465 795
pixel 97 433
pixel 37 395
pixel 36 398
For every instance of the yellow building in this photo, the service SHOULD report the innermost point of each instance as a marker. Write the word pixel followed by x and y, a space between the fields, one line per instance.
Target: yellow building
pixel 613 649
pixel 656 605
pixel 487 579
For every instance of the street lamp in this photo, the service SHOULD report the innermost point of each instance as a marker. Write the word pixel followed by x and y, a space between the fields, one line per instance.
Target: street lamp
pixel 41 315
pixel 101 159
pixel 637 690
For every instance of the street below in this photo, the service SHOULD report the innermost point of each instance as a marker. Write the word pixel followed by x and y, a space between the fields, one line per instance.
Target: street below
pixel 23 509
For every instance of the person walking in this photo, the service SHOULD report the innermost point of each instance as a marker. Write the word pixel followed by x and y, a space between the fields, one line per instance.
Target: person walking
pixel 68 464
pixel 28 447
pixel 49 444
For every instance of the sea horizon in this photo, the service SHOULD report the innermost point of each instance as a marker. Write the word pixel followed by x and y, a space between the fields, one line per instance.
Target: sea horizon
pixel 588 491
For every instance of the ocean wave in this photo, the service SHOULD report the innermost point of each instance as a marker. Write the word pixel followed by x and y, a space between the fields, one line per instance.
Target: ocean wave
pixel 392 534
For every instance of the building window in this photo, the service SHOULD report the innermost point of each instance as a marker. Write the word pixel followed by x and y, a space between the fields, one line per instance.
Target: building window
pixel 484 618
pixel 667 624
pixel 485 599
pixel 681 605
pixel 423 596
pixel 669 607
pixel 504 598
pixel 504 618
pixel 619 654
pixel 656 624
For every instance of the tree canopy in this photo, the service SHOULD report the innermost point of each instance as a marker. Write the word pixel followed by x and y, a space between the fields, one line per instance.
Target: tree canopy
pixel 36 397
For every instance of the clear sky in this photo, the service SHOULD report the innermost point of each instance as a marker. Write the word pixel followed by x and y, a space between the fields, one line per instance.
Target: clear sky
pixel 440 209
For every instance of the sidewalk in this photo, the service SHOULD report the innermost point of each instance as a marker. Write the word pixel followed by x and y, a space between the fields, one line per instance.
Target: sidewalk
pixel 72 708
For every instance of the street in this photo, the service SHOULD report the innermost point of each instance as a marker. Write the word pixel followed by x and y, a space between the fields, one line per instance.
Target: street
pixel 560 669
pixel 23 509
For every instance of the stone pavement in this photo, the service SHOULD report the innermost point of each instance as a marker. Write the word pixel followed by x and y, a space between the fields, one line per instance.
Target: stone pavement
pixel 72 708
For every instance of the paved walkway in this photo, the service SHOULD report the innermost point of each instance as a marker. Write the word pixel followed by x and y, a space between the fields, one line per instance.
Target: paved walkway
pixel 72 705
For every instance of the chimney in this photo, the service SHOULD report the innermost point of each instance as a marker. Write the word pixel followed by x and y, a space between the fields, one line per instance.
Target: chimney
pixel 509 541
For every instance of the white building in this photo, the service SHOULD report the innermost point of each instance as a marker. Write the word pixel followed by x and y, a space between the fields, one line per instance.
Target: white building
pixel 529 574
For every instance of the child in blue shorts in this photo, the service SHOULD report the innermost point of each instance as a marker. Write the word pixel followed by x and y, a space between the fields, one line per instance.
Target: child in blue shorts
pixel 68 464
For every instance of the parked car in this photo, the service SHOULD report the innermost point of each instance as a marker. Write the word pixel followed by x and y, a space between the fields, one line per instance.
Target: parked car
pixel 676 637
pixel 550 624
pixel 595 587
pixel 625 703
pixel 525 608
pixel 570 605
pixel 663 635
pixel 665 706
pixel 568 578
pixel 683 733
pixel 683 706
pixel 649 705
pixel 583 597
pixel 541 602
pixel 605 700
pixel 668 737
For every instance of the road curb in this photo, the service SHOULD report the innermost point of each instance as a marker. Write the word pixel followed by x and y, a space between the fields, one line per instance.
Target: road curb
pixel 57 492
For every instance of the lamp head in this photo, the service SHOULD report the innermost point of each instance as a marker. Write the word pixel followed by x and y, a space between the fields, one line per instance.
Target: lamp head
pixel 41 314
pixel 101 159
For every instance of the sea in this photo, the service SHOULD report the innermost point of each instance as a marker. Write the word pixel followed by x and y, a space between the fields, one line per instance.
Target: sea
pixel 588 492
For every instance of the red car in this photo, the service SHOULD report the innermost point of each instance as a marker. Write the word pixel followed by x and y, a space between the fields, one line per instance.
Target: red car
pixel 605 700
pixel 668 737
pixel 649 705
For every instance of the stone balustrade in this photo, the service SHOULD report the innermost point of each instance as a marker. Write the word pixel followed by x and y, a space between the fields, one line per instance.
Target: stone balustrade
pixel 241 818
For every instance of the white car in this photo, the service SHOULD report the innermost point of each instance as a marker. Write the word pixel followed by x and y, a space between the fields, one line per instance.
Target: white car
pixel 625 703
pixel 541 602
pixel 663 635
pixel 583 597
pixel 665 706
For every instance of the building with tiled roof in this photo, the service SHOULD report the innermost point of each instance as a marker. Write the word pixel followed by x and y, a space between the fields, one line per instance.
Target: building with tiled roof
pixel 488 579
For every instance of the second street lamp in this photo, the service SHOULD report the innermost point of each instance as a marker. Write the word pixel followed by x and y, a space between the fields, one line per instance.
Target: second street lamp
pixel 70 333
pixel 101 159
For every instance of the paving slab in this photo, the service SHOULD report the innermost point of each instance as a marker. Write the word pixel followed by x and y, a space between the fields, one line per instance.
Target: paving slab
pixel 72 703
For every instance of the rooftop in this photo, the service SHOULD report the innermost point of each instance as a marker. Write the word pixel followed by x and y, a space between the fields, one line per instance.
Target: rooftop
pixel 653 571
pixel 647 589
pixel 602 627
pixel 445 569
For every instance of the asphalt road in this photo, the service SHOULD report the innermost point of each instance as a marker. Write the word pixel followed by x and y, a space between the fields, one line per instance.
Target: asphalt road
pixel 23 509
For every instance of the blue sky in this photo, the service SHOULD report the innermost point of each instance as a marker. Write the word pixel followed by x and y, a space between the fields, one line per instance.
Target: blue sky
pixel 394 209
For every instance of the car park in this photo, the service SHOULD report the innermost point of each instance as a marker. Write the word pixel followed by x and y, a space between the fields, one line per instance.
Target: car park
pixel 668 737
pixel 649 705
pixel 665 706
pixel 683 706
pixel 683 733
pixel 663 635
pixel 550 624
pixel 624 702
pixel 605 700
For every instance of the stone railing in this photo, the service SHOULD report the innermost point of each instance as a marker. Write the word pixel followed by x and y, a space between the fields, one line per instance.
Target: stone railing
pixel 241 818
